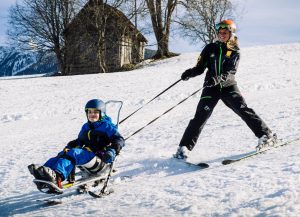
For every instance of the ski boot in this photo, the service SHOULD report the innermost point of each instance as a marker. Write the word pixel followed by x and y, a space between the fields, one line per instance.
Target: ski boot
pixel 182 153
pixel 46 174
pixel 50 175
pixel 33 170
pixel 266 141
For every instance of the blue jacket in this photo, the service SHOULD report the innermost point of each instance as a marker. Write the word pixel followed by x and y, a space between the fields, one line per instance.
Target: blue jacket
pixel 98 136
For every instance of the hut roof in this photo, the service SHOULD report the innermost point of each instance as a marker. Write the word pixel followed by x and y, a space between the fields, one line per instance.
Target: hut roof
pixel 113 12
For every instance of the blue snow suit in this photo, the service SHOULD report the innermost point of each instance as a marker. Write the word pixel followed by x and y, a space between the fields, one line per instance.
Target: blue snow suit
pixel 94 139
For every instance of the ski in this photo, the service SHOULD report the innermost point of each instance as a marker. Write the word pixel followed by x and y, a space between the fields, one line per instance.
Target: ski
pixel 58 198
pixel 51 188
pixel 254 153
pixel 101 194
pixel 201 165
pixel 104 190
pixel 68 189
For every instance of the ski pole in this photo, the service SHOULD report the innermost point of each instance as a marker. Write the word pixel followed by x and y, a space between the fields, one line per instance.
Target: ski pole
pixel 165 112
pixel 112 164
pixel 107 178
pixel 150 101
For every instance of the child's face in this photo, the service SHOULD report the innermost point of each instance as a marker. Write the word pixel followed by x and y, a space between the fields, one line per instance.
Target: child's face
pixel 93 115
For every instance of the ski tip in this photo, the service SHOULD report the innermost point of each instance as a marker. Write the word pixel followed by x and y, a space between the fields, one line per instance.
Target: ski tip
pixel 94 194
pixel 203 165
pixel 53 202
pixel 101 194
pixel 228 161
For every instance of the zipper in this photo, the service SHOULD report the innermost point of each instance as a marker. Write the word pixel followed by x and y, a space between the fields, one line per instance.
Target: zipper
pixel 216 68
pixel 220 63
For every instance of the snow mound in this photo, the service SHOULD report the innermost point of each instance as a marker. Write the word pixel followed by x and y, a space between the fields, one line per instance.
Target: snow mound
pixel 40 115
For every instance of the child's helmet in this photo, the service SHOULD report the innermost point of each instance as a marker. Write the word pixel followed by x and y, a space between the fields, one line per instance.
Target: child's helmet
pixel 226 24
pixel 96 104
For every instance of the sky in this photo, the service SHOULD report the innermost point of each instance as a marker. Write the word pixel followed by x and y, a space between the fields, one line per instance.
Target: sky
pixel 262 22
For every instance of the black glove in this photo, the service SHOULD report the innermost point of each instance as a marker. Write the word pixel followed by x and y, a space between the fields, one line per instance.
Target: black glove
pixel 219 80
pixel 117 147
pixel 186 75
pixel 109 155
pixel 72 144
pixel 224 78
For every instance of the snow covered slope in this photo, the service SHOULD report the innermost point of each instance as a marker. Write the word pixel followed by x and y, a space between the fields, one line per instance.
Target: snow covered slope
pixel 38 116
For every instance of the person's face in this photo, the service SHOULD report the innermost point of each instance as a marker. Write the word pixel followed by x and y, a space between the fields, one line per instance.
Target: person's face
pixel 224 35
pixel 93 115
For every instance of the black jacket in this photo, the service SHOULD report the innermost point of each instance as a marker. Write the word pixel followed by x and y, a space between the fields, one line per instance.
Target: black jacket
pixel 220 61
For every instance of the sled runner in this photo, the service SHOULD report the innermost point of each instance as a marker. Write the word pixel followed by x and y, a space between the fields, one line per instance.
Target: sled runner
pixel 82 184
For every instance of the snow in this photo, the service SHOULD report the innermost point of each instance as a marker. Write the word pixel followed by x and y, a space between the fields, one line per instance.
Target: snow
pixel 39 115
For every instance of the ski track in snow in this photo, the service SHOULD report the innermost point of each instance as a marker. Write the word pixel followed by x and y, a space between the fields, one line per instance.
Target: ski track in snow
pixel 39 115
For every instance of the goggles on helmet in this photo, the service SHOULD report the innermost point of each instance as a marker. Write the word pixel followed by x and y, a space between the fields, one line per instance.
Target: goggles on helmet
pixel 222 26
pixel 226 24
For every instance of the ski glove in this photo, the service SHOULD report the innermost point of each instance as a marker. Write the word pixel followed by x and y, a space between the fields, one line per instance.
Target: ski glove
pixel 117 147
pixel 186 75
pixel 72 144
pixel 109 155
pixel 219 80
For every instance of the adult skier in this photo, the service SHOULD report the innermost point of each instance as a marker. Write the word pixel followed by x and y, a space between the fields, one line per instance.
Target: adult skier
pixel 221 59
pixel 97 145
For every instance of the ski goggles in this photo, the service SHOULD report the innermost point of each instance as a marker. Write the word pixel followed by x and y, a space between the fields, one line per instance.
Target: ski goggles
pixel 222 26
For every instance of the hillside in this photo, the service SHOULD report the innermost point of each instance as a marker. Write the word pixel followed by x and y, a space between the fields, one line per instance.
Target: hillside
pixel 38 116
pixel 14 62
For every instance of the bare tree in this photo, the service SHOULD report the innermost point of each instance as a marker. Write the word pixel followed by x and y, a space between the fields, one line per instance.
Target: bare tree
pixel 39 25
pixel 161 16
pixel 134 10
pixel 137 12
pixel 200 17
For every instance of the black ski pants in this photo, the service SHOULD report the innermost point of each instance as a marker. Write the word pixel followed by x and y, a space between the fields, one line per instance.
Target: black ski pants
pixel 234 100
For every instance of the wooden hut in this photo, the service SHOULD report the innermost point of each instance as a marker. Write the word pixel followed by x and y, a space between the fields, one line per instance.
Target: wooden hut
pixel 122 44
